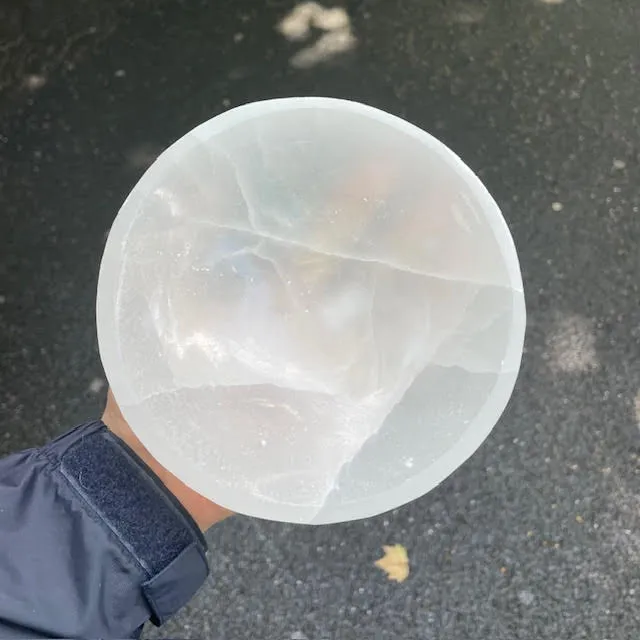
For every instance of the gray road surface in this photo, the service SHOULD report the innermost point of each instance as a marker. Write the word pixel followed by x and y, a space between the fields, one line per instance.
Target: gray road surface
pixel 538 535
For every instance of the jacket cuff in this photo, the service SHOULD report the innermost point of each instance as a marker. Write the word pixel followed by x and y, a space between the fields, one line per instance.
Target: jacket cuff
pixel 147 520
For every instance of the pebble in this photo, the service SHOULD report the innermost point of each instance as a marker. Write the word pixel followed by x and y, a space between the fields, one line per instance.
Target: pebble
pixel 96 385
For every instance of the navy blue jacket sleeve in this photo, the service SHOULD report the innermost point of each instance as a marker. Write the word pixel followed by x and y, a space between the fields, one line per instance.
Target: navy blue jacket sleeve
pixel 92 544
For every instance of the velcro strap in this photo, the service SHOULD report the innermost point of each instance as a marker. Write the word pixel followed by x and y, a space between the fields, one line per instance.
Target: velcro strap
pixel 145 517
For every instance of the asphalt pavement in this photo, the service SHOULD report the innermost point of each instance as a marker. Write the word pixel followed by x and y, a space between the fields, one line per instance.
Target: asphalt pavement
pixel 537 536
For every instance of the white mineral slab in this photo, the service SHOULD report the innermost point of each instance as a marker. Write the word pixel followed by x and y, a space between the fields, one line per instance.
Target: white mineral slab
pixel 310 310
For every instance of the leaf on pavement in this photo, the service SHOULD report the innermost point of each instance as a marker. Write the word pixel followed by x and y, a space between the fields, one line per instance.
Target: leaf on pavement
pixel 395 562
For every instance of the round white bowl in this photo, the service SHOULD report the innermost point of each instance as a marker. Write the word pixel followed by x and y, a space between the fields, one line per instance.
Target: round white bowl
pixel 310 310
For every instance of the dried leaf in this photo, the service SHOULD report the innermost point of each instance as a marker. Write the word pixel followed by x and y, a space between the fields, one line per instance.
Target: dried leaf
pixel 395 562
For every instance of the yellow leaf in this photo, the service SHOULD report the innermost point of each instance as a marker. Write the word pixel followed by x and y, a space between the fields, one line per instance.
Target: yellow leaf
pixel 395 562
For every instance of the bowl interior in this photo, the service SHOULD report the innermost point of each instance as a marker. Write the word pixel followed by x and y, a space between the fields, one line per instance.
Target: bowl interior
pixel 310 310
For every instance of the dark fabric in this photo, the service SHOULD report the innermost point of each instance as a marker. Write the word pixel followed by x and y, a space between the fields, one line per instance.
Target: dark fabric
pixel 91 543
pixel 164 591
